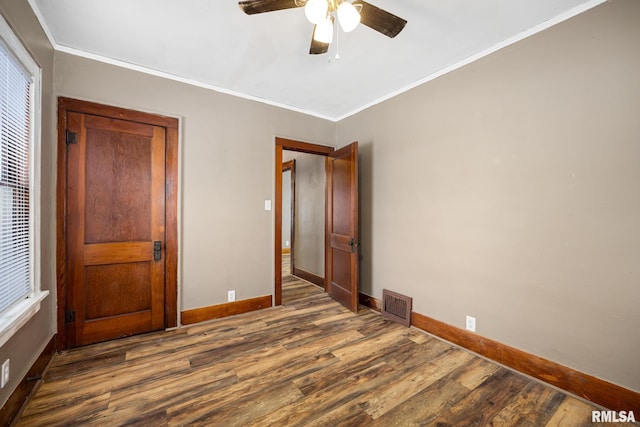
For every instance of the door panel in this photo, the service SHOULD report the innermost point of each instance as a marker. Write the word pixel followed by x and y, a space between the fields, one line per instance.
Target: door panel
pixel 115 213
pixel 129 176
pixel 104 282
pixel 342 237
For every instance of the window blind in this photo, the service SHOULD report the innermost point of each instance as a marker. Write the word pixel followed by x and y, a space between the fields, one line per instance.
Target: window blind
pixel 15 107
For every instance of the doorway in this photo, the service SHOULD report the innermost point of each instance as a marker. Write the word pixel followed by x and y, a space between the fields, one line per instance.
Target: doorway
pixel 117 222
pixel 288 215
pixel 289 145
pixel 341 239
pixel 303 210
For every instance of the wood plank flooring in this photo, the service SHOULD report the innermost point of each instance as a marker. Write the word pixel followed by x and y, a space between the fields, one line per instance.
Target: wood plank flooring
pixel 310 362
pixel 294 288
pixel 286 265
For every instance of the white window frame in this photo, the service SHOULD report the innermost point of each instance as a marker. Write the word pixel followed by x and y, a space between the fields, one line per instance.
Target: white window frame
pixel 18 314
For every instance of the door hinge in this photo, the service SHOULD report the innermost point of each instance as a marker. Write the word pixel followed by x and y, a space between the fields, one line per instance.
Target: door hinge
pixel 69 316
pixel 71 137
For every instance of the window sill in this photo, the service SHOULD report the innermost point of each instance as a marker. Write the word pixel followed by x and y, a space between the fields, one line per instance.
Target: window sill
pixel 17 316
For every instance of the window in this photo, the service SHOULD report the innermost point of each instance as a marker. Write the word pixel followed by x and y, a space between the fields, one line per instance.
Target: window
pixel 20 294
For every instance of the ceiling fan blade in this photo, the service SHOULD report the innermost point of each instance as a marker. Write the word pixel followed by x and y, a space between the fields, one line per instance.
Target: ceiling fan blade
pixel 251 7
pixel 381 20
pixel 317 47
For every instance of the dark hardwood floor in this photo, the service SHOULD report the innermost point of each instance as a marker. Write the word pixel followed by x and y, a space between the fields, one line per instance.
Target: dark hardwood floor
pixel 310 362
pixel 294 288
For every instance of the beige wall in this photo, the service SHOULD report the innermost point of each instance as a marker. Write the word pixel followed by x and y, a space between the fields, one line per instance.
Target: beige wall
pixel 24 347
pixel 309 211
pixel 227 172
pixel 509 190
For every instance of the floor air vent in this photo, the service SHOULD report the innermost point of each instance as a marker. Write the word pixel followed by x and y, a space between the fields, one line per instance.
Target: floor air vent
pixel 396 307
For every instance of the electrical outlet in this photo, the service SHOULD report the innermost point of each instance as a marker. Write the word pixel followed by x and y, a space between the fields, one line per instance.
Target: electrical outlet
pixel 471 323
pixel 231 296
pixel 5 373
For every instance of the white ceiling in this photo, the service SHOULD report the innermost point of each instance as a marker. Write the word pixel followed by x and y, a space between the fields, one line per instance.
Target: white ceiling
pixel 212 43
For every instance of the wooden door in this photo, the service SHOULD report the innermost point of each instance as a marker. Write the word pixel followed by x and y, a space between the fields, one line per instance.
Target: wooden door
pixel 342 238
pixel 115 237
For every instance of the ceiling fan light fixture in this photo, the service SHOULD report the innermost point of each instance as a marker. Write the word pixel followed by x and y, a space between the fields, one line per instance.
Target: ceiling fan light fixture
pixel 324 31
pixel 348 16
pixel 316 10
pixel 323 13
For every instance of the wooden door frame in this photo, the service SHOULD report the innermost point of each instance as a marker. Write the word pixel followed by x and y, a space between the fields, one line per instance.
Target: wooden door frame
pixel 291 145
pixel 66 105
pixel 291 166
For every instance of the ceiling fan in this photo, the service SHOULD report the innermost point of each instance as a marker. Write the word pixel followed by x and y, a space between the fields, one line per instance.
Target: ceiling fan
pixel 322 14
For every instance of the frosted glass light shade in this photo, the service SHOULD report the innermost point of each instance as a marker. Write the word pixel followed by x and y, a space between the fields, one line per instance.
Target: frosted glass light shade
pixel 316 10
pixel 324 31
pixel 348 17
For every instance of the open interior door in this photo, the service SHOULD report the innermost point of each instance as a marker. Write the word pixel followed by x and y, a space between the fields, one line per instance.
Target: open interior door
pixel 342 238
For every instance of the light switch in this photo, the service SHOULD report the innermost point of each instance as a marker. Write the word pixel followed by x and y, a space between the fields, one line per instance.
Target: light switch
pixel 267 205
